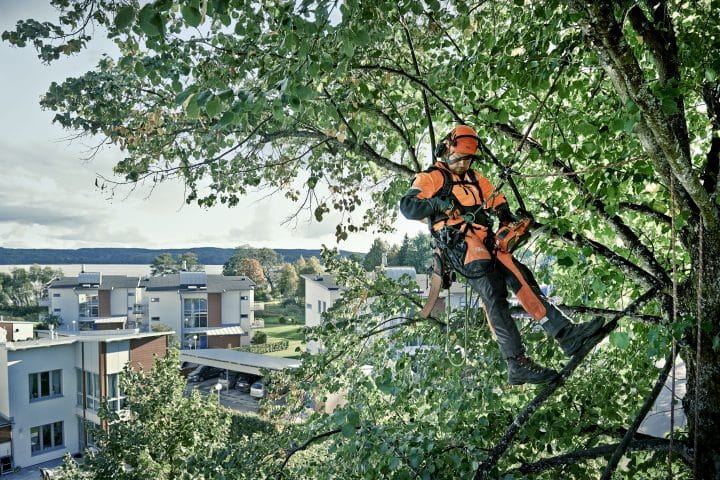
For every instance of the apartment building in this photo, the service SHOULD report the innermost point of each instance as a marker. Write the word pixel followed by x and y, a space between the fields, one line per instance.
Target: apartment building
pixel 206 311
pixel 49 387
pixel 93 301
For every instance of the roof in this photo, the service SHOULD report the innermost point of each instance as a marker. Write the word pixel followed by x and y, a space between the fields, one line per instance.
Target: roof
pixel 233 359
pixel 109 282
pixel 215 283
pixel 325 280
pixel 4 421
pixel 84 336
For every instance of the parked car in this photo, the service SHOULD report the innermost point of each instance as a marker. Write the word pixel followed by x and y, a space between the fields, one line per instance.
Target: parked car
pixel 186 368
pixel 257 389
pixel 228 380
pixel 243 384
pixel 204 372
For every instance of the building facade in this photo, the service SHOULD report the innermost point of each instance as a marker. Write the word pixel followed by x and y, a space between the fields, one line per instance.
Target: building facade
pixel 206 311
pixel 50 388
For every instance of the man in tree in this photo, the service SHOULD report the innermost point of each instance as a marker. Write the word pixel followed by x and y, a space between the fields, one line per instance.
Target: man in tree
pixel 457 201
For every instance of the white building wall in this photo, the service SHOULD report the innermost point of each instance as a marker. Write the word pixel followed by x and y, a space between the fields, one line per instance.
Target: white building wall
pixel 27 414
pixel 231 308
pixel 168 309
pixel 4 395
pixel 314 293
pixel 65 306
pixel 119 302
pixel 117 356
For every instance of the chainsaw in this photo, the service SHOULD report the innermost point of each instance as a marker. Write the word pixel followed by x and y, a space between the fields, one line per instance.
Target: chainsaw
pixel 512 236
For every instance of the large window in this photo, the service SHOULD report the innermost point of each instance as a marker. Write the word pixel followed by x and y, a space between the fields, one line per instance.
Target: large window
pixel 45 384
pixel 46 437
pixel 115 398
pixel 92 389
pixel 195 312
pixel 89 306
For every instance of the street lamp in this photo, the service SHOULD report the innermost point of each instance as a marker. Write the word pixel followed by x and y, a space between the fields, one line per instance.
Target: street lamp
pixel 195 341
pixel 217 388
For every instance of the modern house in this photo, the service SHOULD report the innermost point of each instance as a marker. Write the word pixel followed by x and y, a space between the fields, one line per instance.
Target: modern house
pixel 50 387
pixel 206 311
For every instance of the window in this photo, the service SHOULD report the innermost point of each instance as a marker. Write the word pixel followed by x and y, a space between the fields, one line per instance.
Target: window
pixel 308 306
pixel 115 398
pixel 56 295
pixel 45 384
pixel 155 319
pixel 92 389
pixel 130 309
pixel 319 306
pixel 46 437
pixel 195 312
pixel 243 315
pixel 243 297
pixel 89 428
pixel 131 294
pixel 154 299
pixel 56 310
pixel 88 305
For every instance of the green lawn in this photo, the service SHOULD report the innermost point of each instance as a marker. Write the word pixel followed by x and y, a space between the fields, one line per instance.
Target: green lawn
pixel 292 333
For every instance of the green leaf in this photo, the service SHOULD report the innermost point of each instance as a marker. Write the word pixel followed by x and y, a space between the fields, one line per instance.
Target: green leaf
pixel 213 106
pixel 151 22
pixel 348 430
pixel 191 15
pixel 566 261
pixel 620 339
pixel 125 16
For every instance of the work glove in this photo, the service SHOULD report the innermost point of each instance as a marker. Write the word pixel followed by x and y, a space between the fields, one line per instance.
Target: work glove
pixel 505 215
pixel 440 204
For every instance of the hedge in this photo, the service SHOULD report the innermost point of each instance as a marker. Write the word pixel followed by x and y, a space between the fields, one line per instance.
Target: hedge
pixel 266 347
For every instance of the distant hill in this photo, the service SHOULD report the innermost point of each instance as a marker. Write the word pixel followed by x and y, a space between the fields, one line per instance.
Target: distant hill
pixel 130 256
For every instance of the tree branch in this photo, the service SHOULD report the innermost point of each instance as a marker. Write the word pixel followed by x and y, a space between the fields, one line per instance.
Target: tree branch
pixel 486 466
pixel 304 446
pixel 572 458
pixel 646 210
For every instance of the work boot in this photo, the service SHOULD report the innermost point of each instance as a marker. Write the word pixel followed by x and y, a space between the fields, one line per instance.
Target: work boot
pixel 521 369
pixel 574 336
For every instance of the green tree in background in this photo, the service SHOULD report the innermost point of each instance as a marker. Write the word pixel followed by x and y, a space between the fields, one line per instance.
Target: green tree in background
pixel 374 257
pixel 24 288
pixel 288 280
pixel 166 264
pixel 266 257
pixel 610 110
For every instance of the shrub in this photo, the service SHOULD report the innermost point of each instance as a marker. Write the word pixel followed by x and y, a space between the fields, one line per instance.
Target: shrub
pixel 259 338
pixel 283 320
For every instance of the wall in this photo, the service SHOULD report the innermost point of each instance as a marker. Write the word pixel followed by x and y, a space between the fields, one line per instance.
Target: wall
pixel 103 303
pixel 4 395
pixel 222 341
pixel 169 309
pixel 142 351
pixel 28 414
pixel 120 304
pixel 315 292
pixel 67 303
pixel 214 303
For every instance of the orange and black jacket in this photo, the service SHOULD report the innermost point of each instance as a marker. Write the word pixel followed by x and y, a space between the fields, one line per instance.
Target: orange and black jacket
pixel 469 192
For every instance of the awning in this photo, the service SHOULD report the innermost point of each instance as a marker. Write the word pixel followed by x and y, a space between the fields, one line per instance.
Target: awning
pixel 235 330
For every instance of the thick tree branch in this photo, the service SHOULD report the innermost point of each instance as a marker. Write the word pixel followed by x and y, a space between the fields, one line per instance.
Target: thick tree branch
pixel 310 441
pixel 624 71
pixel 585 310
pixel 578 456
pixel 486 466
pixel 642 413
pixel 646 210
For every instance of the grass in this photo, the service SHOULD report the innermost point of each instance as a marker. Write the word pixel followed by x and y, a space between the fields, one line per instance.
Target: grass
pixel 292 333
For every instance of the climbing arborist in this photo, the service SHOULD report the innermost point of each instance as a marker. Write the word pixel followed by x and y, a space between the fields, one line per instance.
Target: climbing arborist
pixel 458 202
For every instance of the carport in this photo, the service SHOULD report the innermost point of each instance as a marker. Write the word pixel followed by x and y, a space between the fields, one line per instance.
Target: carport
pixel 243 362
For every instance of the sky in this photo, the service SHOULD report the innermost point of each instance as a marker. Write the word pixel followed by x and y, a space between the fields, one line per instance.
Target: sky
pixel 48 197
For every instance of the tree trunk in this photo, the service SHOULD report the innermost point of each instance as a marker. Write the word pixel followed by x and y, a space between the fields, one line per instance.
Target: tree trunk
pixel 702 398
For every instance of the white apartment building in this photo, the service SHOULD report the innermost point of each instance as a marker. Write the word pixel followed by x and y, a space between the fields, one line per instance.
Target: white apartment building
pixel 49 387
pixel 206 311
pixel 93 301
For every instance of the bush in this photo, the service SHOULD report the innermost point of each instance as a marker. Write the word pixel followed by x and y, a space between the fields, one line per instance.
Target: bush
pixel 283 320
pixel 259 338
pixel 266 347
pixel 246 424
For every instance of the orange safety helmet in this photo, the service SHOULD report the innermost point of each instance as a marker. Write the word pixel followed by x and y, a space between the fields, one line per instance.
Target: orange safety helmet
pixel 463 140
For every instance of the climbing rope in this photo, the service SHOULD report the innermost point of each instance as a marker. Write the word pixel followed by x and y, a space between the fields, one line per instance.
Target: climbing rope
pixel 673 240
pixel 697 345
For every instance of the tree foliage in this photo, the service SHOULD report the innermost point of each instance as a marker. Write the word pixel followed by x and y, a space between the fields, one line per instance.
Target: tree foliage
pixel 610 111
pixel 166 264
pixel 24 288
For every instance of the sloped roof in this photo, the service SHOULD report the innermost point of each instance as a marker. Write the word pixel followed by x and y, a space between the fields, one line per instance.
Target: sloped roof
pixel 325 280
pixel 215 283
pixel 108 282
